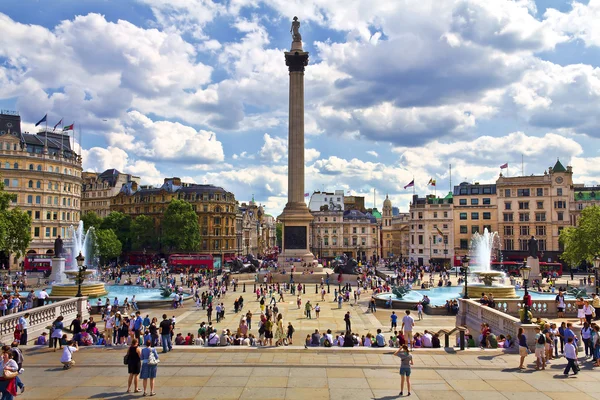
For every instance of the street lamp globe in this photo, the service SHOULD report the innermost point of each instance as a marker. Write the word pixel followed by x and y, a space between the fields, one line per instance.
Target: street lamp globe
pixel 465 267
pixel 596 263
pixel 465 261
pixel 525 272
pixel 80 259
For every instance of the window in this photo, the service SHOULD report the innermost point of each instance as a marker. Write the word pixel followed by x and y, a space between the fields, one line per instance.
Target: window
pixel 38 185
pixel 560 204
pixel 362 230
pixel 540 230
pixel 508 217
pixel 522 192
pixel 487 201
pixel 420 226
pixel 7 182
pixel 559 191
pixel 560 216
pixel 542 244
pixel 462 202
pixel 7 165
pixel 487 190
pixel 15 183
pixel 30 199
pixel 39 167
pixel 540 216
pixel 523 217
pixel 524 230
pixel 47 231
pixel 420 215
pixel 420 239
pixel 36 231
pixel 474 215
pixel 30 184
pixel 54 231
pixel 540 205
pixel 445 226
pixel 463 190
pixel 475 190
pixel 464 244
pixel 507 205
pixel 16 166
pixel 523 205
pixel 524 244
pixel 31 167
pixel 487 215
pixel 509 230
pixel 445 214
pixel 539 192
pixel 37 215
pixel 463 216
pixel 354 230
pixel 506 192
pixel 509 244
pixel 445 240
pixel 474 202
pixel 434 214
pixel 474 229
pixel 464 229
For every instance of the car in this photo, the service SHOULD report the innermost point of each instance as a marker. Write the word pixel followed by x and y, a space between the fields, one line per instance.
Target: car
pixel 455 270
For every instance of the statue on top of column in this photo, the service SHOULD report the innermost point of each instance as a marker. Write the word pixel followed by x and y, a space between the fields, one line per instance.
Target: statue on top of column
pixel 295 30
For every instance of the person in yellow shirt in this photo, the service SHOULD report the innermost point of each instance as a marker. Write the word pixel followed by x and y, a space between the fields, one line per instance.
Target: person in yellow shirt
pixel 596 305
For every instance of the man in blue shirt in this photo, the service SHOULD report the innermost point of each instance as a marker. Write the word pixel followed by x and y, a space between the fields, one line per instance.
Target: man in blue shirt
pixel 379 339
pixel 137 325
pixel 24 325
pixel 570 334
pixel 394 319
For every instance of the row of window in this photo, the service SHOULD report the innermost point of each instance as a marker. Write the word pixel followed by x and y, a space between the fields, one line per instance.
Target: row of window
pixel 475 190
pixel 539 192
pixel 435 214
pixel 464 229
pixel 38 167
pixel 435 239
pixel 66 201
pixel 509 230
pixel 67 187
pixel 49 232
pixel 475 215
pixel 475 202
pixel 53 215
pixel 525 216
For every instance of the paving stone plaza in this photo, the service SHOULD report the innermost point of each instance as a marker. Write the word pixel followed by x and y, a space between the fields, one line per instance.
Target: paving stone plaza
pixel 292 372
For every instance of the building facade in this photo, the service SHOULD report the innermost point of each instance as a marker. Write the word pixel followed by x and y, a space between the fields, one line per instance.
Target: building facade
pixel 333 200
pixel 387 240
pixel 259 230
pixel 474 209
pixel 581 197
pixel 100 188
pixel 44 173
pixel 401 236
pixel 216 209
pixel 431 230
pixel 536 205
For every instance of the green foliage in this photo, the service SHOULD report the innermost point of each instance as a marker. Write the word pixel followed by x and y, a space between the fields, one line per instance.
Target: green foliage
pixel 143 233
pixel 582 243
pixel 180 227
pixel 15 226
pixel 121 225
pixel 108 244
pixel 91 220
pixel 279 234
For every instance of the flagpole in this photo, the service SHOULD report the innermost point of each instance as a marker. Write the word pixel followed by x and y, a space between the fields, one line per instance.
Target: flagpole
pixel 450 166
pixel 414 185
pixel 46 133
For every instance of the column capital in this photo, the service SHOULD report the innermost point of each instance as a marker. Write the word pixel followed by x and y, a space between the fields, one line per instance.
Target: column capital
pixel 296 60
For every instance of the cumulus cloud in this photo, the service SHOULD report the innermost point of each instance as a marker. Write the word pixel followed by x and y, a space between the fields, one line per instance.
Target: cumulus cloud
pixel 373 153
pixel 99 159
pixel 273 150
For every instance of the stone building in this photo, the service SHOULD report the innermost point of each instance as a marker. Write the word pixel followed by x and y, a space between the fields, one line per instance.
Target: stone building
pixel 475 209
pixel 259 231
pixel 581 197
pixel 333 200
pixel 536 205
pixel 44 173
pixel 215 206
pixel 387 239
pixel 431 230
pixel 100 188
pixel 401 236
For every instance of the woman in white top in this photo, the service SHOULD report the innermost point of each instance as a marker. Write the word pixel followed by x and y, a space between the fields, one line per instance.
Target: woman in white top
pixel 8 387
pixel 588 311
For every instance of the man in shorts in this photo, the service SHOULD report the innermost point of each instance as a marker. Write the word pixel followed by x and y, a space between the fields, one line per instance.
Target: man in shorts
pixel 394 321
pixel 407 326
pixel 540 349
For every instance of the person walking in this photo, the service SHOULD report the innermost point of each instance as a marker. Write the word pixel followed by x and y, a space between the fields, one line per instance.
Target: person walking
pixel 150 360
pixel 23 325
pixel 407 326
pixel 57 328
pixel 348 321
pixel 308 308
pixel 571 356
pixel 8 387
pixel 540 349
pixel 280 334
pixel 406 360
pixel 134 365
pixel 523 349
pixel 166 328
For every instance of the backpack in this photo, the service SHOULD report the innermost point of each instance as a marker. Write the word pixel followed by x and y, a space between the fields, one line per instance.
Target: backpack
pixel 326 343
pixel 541 339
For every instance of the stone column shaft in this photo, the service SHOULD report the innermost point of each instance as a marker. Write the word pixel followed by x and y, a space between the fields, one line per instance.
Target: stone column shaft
pixel 296 138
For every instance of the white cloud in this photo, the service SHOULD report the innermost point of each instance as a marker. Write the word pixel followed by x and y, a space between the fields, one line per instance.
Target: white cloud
pixel 100 159
pixel 581 22
pixel 273 150
pixel 373 153
pixel 311 154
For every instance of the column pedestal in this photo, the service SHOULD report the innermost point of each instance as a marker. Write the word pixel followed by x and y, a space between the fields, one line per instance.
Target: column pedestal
pixel 534 264
pixel 58 268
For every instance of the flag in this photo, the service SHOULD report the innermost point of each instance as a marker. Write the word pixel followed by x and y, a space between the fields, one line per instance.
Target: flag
pixel 57 124
pixel 411 184
pixel 42 120
pixel 504 166
pixel 69 127
pixel 439 231
pixel 431 182
pixel 348 192
pixel 306 194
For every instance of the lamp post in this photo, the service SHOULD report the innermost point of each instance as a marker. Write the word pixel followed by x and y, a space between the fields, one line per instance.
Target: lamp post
pixel 596 268
pixel 525 271
pixel 80 270
pixel 465 266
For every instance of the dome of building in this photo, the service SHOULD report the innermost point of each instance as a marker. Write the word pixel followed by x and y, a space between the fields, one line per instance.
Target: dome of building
pixel 387 203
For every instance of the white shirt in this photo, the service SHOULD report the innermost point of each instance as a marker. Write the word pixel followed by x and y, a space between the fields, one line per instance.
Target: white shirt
pixel 570 351
pixel 427 340
pixel 68 353
pixel 408 322
pixel 42 295
pixel 110 322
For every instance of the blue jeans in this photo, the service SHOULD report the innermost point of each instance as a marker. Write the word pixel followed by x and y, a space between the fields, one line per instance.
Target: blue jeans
pixel 166 343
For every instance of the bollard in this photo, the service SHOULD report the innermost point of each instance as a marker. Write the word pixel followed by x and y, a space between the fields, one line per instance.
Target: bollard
pixel 255 288
pixel 244 290
pixel 462 339
pixel 447 340
pixel 316 289
pixel 328 288
pixel 303 289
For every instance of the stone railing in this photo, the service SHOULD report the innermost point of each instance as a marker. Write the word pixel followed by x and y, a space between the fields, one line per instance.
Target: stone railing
pixel 472 314
pixel 539 308
pixel 42 317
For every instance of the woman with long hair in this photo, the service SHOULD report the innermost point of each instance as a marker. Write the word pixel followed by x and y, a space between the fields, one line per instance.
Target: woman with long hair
pixel 149 358
pixel 134 365
pixel 57 327
pixel 523 349
pixel 406 360
pixel 8 386
pixel 280 334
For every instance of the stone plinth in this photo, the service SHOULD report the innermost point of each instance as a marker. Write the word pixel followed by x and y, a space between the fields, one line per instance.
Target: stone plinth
pixel 534 264
pixel 58 268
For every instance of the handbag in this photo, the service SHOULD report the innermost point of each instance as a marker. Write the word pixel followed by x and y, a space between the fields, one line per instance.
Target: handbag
pixel 10 374
pixel 126 358
pixel 152 359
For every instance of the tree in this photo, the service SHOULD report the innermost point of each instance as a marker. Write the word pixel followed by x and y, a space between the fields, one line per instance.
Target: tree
pixel 143 233
pixel 15 226
pixel 582 242
pixel 121 224
pixel 91 220
pixel 180 227
pixel 108 244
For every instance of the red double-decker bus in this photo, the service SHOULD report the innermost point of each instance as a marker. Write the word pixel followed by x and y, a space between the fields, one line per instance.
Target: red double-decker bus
pixel 512 268
pixel 37 263
pixel 550 268
pixel 190 262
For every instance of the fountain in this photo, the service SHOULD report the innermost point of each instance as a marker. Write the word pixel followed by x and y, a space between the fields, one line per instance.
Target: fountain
pixel 65 282
pixel 482 247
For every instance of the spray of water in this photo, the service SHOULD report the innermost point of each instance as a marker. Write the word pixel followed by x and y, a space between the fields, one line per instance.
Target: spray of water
pixel 84 242
pixel 482 247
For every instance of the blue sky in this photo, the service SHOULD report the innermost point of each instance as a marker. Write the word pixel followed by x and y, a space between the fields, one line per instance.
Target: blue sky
pixel 395 89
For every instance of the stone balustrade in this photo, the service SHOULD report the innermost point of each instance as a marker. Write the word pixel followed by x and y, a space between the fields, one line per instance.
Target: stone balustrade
pixel 539 308
pixel 42 317
pixel 472 314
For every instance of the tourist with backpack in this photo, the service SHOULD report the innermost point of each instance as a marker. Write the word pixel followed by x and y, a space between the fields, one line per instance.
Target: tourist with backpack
pixel 540 349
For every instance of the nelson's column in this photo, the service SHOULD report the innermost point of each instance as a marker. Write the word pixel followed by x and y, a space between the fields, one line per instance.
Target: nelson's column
pixel 296 217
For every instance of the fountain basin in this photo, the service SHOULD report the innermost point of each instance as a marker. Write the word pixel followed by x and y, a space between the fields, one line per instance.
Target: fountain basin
pixel 90 289
pixel 474 290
